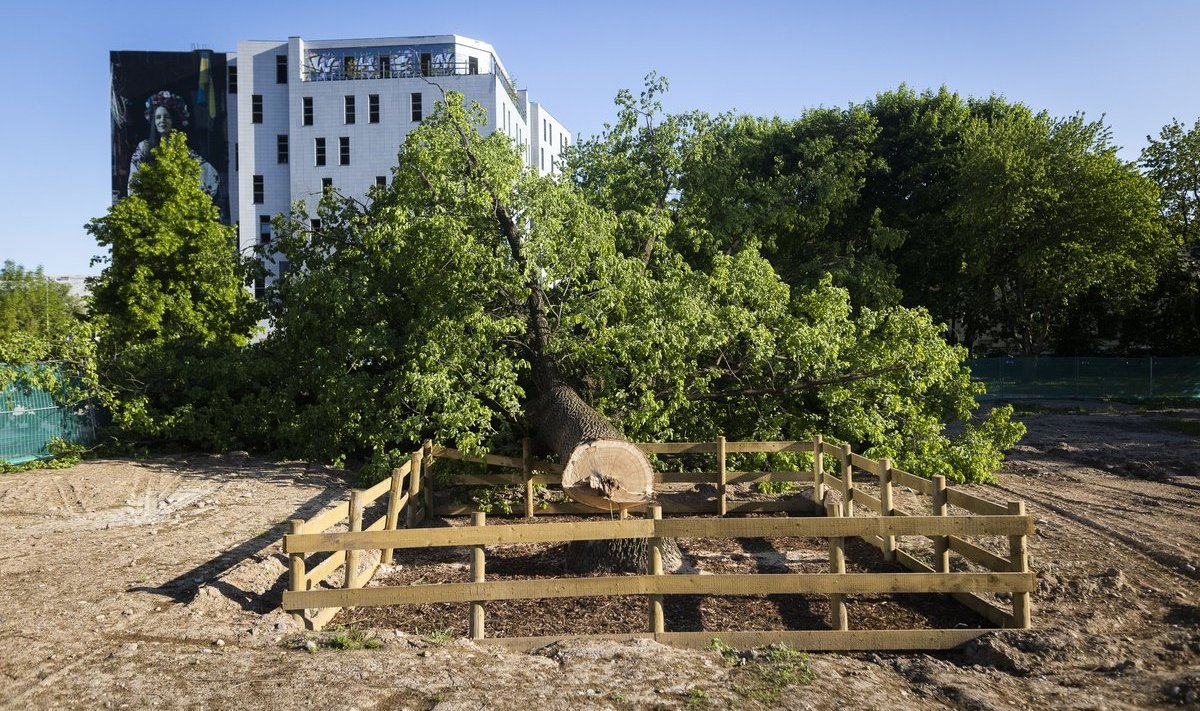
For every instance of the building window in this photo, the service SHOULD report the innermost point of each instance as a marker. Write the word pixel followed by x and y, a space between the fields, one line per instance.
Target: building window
pixel 256 109
pixel 344 150
pixel 308 111
pixel 232 79
pixel 284 267
pixel 258 190
pixel 426 64
pixel 326 184
pixel 543 129
pixel 237 162
pixel 260 289
pixel 416 106
pixel 314 225
pixel 373 108
pixel 472 65
pixel 381 181
pixel 281 69
pixel 350 65
pixel 542 152
pixel 385 66
pixel 319 151
pixel 264 229
pixel 349 109
pixel 281 148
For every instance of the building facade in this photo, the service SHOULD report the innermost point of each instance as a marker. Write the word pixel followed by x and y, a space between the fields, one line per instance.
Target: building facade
pixel 282 121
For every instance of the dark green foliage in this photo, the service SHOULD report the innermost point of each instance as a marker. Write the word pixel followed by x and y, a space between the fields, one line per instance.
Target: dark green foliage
pixel 1053 222
pixel 1015 230
pixel 1169 321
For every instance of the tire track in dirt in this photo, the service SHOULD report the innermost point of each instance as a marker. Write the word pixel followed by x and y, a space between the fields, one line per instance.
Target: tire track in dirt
pixel 1174 563
pixel 1173 507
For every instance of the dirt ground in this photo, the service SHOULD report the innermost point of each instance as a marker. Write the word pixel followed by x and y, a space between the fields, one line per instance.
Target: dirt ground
pixel 156 584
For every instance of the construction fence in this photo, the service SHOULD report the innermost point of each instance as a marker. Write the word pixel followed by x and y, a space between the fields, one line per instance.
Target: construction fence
pixel 31 417
pixel 1088 377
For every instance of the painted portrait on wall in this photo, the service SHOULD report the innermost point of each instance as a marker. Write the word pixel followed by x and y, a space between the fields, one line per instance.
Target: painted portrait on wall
pixel 155 93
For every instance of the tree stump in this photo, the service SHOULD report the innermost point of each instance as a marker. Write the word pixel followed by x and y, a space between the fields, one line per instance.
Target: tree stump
pixel 600 467
pixel 603 470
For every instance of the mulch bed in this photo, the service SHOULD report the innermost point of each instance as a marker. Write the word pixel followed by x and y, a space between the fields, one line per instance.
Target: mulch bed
pixel 628 614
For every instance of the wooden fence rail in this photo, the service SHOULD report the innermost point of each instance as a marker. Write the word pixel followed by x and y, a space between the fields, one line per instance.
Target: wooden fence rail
pixel 838 584
pixel 401 488
pixel 531 471
pixel 835 468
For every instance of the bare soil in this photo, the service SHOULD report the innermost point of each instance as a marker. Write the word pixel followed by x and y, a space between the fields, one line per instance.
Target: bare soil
pixel 156 584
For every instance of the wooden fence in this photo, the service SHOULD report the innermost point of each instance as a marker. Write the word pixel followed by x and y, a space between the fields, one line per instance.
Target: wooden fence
pixel 403 490
pixel 883 527
pixel 531 471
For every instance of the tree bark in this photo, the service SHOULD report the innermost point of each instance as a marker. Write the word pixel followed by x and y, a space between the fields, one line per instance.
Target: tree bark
pixel 623 555
pixel 600 467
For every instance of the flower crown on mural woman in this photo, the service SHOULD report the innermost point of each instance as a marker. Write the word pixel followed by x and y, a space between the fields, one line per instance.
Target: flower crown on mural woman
pixel 166 112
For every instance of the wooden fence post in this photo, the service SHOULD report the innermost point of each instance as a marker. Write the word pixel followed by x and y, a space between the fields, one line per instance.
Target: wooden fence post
pixel 356 514
pixel 941 546
pixel 847 480
pixel 722 477
pixel 886 507
pixel 393 513
pixel 427 464
pixel 414 485
pixel 478 518
pixel 657 624
pixel 839 620
pixel 818 472
pixel 297 579
pixel 527 470
pixel 1018 550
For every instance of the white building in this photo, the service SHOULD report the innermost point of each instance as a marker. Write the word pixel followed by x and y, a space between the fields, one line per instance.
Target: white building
pixel 304 115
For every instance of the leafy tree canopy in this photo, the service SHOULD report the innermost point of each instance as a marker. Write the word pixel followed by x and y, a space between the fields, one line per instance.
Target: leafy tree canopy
pixel 1051 217
pixel 410 316
pixel 908 198
pixel 1172 317
pixel 31 303
pixel 170 303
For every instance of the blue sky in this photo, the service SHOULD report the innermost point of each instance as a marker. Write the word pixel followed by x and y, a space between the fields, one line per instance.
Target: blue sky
pixel 1132 62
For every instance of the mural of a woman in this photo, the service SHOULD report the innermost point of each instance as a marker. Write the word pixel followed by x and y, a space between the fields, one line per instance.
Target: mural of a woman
pixel 166 112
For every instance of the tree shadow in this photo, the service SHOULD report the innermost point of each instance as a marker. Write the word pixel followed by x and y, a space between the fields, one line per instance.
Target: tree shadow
pixel 184 587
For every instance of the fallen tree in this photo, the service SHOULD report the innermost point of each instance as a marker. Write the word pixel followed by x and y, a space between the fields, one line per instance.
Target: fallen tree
pixel 477 302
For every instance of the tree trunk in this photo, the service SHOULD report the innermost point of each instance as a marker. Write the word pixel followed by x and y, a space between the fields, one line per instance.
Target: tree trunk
pixel 600 467
pixel 623 555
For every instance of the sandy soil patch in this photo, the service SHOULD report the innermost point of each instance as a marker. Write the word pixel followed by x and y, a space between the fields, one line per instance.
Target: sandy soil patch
pixel 156 585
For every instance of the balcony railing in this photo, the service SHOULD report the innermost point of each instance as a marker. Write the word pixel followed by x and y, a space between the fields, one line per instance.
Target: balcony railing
pixel 324 67
pixel 345 70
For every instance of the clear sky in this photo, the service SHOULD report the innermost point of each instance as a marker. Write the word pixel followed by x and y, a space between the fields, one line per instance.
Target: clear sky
pixel 1133 62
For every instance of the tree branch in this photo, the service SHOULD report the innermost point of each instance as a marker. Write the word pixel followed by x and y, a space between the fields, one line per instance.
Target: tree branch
pixel 802 385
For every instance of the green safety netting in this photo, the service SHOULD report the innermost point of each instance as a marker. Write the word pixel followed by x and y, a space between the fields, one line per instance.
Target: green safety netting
pixel 31 417
pixel 1088 377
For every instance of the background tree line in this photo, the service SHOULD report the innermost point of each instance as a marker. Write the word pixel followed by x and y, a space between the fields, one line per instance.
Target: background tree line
pixel 1021 232
pixel 698 275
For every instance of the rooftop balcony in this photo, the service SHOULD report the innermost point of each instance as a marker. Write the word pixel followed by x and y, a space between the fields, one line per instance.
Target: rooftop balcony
pixel 394 63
